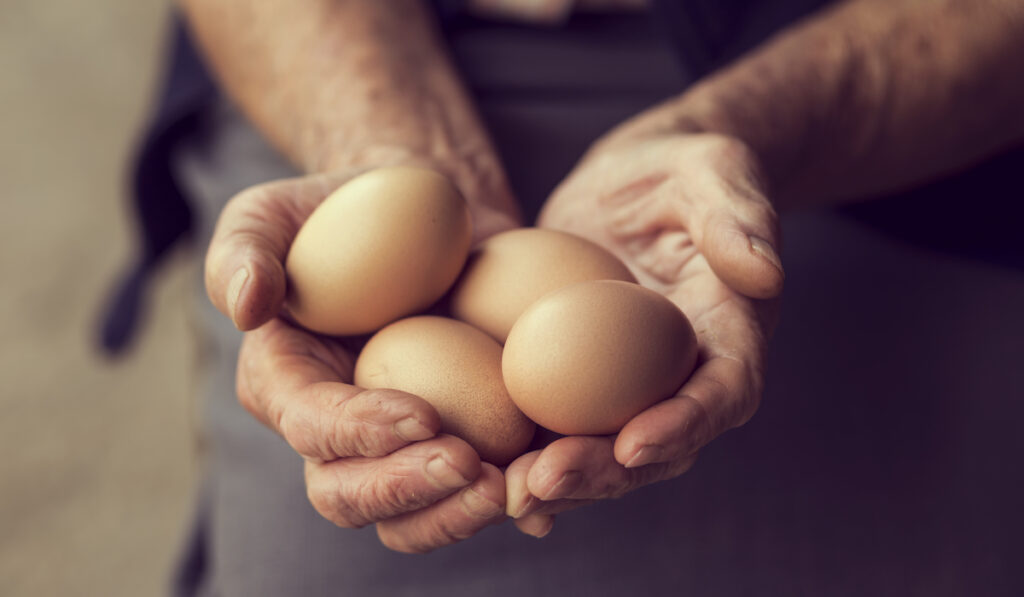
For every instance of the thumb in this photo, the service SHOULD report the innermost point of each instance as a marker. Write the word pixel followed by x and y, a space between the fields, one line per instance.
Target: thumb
pixel 244 274
pixel 741 244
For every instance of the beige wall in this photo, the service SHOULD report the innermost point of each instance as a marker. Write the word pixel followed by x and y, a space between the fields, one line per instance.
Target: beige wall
pixel 98 459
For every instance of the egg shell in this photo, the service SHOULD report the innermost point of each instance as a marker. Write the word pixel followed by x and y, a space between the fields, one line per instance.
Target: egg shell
pixel 587 358
pixel 386 244
pixel 457 369
pixel 506 273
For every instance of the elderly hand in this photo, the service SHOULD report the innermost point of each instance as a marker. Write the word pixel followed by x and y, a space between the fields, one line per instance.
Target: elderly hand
pixel 372 456
pixel 688 215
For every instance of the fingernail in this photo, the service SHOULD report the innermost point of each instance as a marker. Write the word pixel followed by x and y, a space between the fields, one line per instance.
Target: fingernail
pixel 235 287
pixel 645 455
pixel 765 250
pixel 479 506
pixel 565 487
pixel 539 527
pixel 523 509
pixel 411 430
pixel 444 475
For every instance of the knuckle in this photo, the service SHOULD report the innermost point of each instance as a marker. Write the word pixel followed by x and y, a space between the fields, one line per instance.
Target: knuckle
pixel 356 424
pixel 300 430
pixel 391 493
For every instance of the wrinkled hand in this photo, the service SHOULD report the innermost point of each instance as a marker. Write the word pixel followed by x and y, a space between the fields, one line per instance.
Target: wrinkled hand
pixel 371 456
pixel 688 215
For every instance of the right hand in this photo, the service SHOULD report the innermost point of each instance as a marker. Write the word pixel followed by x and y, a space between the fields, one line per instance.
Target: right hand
pixel 372 456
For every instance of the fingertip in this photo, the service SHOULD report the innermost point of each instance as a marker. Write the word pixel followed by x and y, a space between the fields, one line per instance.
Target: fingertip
pixel 536 525
pixel 664 432
pixel 747 263
pixel 519 500
pixel 641 456
pixel 255 293
pixel 770 278
pixel 411 429
pixel 485 498
pixel 461 457
pixel 558 471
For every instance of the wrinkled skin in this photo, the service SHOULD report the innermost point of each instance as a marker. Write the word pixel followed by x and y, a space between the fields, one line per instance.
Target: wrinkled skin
pixel 372 456
pixel 688 215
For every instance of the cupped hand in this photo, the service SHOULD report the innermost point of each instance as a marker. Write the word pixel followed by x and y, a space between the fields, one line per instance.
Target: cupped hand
pixel 371 456
pixel 689 216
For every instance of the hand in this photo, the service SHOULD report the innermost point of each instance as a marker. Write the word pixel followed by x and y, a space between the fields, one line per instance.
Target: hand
pixel 372 456
pixel 688 215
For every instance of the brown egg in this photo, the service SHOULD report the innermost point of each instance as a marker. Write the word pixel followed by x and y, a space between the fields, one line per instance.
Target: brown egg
pixel 508 272
pixel 386 244
pixel 587 358
pixel 456 368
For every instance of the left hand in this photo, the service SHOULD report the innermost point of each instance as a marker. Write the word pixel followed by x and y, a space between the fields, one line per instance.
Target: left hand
pixel 687 213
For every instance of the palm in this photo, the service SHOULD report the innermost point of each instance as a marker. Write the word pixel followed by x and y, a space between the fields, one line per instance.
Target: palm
pixel 644 217
pixel 680 212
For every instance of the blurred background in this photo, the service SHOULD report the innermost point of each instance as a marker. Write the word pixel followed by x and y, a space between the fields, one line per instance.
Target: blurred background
pixel 98 454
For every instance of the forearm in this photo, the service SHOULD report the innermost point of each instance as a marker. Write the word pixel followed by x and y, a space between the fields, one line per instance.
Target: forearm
pixel 342 84
pixel 868 97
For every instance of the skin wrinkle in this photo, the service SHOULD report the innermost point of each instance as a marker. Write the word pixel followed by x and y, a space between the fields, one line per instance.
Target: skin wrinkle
pixel 666 258
pixel 394 490
pixel 366 438
pixel 645 185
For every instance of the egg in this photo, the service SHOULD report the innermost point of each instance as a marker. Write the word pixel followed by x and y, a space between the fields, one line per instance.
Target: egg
pixel 386 244
pixel 587 358
pixel 457 369
pixel 509 271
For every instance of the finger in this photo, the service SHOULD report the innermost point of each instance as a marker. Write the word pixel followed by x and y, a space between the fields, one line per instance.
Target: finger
pixel 721 394
pixel 746 261
pixel 293 382
pixel 735 226
pixel 354 492
pixel 456 518
pixel 536 525
pixel 519 501
pixel 244 273
pixel 585 468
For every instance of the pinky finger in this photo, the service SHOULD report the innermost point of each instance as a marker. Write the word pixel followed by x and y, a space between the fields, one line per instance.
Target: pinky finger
pixel 457 517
